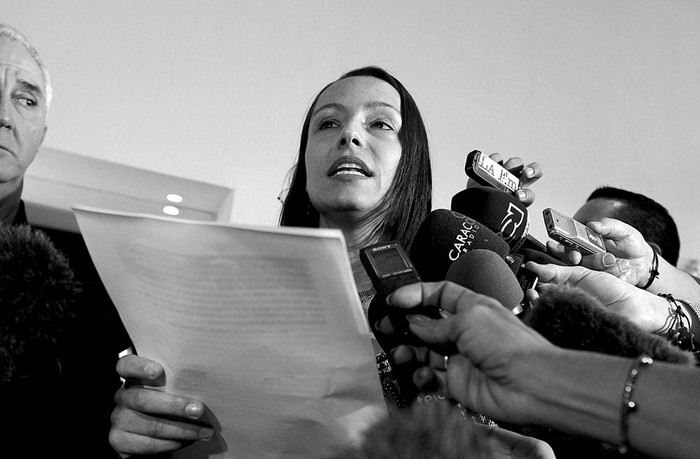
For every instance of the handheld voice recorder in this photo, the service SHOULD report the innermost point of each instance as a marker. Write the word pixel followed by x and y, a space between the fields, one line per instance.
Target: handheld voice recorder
pixel 572 233
pixel 485 171
pixel 389 267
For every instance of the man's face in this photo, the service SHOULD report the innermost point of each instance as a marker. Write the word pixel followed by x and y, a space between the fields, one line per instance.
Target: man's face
pixel 22 111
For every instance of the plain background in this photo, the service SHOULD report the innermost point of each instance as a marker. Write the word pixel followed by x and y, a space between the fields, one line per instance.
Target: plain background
pixel 600 92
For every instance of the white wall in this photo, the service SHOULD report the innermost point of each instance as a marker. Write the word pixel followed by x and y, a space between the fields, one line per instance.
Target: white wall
pixel 597 91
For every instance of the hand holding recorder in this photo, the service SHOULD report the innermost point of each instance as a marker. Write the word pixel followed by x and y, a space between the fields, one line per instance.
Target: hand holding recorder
pixel 389 268
pixel 511 176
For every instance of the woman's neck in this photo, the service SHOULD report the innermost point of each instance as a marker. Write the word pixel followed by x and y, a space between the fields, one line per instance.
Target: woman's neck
pixel 358 234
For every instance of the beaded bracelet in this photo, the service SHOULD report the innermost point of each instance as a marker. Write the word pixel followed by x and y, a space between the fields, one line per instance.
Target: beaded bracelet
pixel 629 405
pixel 654 270
pixel 694 325
pixel 679 328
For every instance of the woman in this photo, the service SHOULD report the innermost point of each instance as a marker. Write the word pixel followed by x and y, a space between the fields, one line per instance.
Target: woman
pixel 363 168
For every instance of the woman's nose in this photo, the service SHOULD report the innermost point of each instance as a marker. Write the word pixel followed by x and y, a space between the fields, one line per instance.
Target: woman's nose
pixel 350 136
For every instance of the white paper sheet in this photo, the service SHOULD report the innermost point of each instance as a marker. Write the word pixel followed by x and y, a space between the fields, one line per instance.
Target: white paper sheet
pixel 261 324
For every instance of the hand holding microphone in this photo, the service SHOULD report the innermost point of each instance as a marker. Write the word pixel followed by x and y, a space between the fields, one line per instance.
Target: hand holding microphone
pixel 482 169
pixel 490 340
pixel 499 211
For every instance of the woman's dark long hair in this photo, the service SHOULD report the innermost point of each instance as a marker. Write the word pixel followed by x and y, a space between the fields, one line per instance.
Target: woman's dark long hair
pixel 409 198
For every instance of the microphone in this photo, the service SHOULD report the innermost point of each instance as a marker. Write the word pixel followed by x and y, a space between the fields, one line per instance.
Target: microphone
pixel 541 258
pixel 499 211
pixel 571 318
pixel 37 291
pixel 444 236
pixel 487 273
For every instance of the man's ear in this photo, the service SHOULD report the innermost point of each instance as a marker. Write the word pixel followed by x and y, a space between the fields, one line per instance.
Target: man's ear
pixel 656 247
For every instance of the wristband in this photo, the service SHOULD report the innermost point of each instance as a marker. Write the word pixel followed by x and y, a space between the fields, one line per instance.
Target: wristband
pixel 654 270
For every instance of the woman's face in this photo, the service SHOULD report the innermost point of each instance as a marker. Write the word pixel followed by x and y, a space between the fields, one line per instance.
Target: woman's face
pixel 353 146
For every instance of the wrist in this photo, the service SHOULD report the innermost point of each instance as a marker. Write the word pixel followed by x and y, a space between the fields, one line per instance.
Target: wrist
pixel 542 373
pixel 652 262
pixel 566 392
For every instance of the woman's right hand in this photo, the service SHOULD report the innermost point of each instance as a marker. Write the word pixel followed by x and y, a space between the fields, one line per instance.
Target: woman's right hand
pixel 149 421
pixel 528 174
pixel 490 374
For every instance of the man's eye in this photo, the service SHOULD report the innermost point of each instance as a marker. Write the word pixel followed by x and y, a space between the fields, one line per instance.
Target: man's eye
pixel 27 102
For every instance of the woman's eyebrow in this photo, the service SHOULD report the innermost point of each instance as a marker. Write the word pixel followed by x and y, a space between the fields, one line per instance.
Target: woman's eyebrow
pixel 372 104
pixel 379 104
pixel 334 105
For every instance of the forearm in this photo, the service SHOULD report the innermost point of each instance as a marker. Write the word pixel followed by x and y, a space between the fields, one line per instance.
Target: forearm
pixel 581 393
pixel 674 281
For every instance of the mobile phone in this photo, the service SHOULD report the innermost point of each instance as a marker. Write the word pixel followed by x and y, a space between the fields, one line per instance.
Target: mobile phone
pixel 486 171
pixel 572 233
pixel 389 267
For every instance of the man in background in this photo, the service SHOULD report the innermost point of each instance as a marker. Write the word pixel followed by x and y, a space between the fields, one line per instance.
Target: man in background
pixel 59 407
pixel 646 215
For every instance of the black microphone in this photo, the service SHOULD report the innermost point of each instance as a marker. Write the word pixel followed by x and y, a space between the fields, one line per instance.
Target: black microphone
pixel 499 211
pixel 37 291
pixel 539 257
pixel 487 273
pixel 444 236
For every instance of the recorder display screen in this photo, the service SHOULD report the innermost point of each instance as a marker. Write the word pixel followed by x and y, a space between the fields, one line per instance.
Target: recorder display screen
pixel 389 261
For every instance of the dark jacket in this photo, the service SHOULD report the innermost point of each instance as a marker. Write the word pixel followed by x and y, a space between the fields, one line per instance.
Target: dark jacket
pixel 62 407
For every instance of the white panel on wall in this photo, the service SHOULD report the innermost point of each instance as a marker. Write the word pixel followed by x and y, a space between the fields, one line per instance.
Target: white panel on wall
pixel 57 180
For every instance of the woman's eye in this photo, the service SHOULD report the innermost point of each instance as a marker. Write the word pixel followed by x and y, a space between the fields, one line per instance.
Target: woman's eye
pixel 381 124
pixel 327 124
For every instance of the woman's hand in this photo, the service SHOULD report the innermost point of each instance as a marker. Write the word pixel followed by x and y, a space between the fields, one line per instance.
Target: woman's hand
pixel 644 309
pixel 149 421
pixel 528 174
pixel 487 374
pixel 506 444
pixel 629 256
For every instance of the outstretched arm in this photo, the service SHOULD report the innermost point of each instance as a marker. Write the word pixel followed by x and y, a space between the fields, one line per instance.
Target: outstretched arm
pixel 508 371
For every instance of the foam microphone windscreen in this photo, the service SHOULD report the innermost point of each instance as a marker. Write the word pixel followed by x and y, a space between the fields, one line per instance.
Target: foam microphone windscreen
pixel 444 236
pixel 37 291
pixel 571 318
pixel 501 212
pixel 487 273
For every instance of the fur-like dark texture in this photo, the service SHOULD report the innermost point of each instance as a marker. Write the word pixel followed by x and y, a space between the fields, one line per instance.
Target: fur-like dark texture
pixel 37 291
pixel 573 319
pixel 435 431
